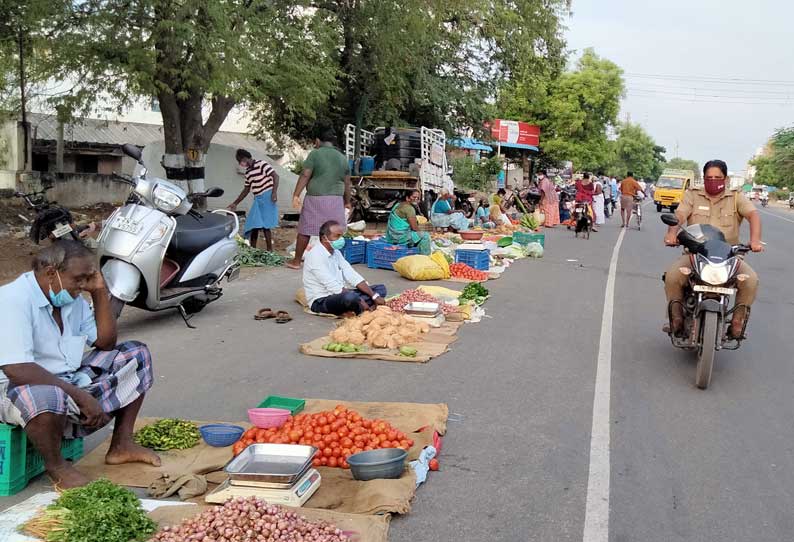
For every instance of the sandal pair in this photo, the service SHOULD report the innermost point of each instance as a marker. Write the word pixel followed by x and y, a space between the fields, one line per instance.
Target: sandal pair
pixel 282 317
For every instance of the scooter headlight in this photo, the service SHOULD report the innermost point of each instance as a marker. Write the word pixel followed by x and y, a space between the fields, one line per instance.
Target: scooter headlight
pixel 165 199
pixel 716 275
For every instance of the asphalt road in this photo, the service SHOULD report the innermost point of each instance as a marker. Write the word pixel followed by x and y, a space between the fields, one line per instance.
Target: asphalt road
pixel 686 464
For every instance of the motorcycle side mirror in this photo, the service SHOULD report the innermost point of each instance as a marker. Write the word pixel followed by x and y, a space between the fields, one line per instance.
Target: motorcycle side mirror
pixel 214 192
pixel 132 151
pixel 670 219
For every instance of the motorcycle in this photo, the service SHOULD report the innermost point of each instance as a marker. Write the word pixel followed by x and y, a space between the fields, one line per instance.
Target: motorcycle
pixel 764 202
pixel 713 277
pixel 157 253
pixel 51 220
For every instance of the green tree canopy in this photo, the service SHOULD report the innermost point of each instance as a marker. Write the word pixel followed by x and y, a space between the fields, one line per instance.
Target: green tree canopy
pixel 636 151
pixel 574 110
pixel 776 166
pixel 681 163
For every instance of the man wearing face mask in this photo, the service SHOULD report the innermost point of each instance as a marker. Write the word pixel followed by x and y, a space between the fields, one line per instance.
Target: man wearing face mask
pixel 49 385
pixel 714 204
pixel 332 285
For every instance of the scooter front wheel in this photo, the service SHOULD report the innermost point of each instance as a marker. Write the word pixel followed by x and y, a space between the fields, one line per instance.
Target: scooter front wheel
pixel 708 349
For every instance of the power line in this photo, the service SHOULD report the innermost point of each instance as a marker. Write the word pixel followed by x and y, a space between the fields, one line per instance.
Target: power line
pixel 750 92
pixel 704 94
pixel 711 79
pixel 682 99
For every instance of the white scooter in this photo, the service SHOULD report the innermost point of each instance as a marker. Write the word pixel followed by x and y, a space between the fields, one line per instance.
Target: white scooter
pixel 156 253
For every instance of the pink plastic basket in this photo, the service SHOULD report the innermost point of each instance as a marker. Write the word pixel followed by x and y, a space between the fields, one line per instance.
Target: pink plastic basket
pixel 265 418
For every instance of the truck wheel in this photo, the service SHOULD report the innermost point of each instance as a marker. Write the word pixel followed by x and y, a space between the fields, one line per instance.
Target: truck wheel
pixel 658 207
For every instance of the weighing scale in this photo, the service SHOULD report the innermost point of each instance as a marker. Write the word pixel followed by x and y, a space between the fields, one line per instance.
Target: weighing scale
pixel 294 496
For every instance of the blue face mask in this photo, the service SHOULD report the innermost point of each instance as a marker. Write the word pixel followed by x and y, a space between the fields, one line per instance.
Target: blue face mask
pixel 339 244
pixel 63 297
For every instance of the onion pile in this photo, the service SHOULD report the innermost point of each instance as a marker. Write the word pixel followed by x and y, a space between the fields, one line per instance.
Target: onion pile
pixel 249 520
pixel 398 303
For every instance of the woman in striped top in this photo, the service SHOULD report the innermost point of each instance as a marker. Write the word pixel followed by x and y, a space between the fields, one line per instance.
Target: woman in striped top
pixel 262 180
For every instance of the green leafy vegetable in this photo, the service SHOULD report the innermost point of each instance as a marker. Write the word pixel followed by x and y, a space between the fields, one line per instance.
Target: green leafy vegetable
pixel 168 434
pixel 474 291
pixel 254 257
pixel 98 512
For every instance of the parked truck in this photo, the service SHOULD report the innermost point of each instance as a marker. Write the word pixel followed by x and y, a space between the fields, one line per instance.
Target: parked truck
pixel 391 161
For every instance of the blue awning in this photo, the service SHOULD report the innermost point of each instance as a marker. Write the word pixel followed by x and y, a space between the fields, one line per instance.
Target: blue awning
pixel 518 146
pixel 469 143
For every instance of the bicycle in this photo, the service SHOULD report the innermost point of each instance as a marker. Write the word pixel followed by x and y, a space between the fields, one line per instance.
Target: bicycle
pixel 637 210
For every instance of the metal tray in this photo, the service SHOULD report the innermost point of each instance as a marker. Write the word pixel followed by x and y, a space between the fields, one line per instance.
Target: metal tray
pixel 419 308
pixel 271 463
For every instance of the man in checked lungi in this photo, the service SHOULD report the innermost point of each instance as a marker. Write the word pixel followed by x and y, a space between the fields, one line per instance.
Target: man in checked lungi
pixel 49 384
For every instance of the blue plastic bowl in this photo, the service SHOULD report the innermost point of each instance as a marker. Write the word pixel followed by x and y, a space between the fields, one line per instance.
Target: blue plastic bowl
pixel 221 434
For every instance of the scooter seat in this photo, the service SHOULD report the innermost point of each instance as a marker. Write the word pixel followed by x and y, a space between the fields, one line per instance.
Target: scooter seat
pixel 193 234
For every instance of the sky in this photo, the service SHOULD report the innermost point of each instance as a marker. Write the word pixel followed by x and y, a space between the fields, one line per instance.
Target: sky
pixel 712 78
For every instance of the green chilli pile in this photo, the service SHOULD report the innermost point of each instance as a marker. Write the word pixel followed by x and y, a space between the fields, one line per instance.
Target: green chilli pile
pixel 168 434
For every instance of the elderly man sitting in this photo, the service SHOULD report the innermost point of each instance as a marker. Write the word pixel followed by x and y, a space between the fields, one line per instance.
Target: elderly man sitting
pixel 332 286
pixel 51 387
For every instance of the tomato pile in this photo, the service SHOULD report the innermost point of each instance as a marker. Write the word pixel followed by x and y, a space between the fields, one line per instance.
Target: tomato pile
pixel 463 271
pixel 337 434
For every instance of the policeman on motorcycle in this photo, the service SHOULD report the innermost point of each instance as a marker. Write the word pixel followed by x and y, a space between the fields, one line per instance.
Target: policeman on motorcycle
pixel 725 210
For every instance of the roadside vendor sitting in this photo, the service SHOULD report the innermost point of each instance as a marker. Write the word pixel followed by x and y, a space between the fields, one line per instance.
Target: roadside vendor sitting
pixel 444 216
pixel 403 228
pixel 49 385
pixel 498 214
pixel 331 284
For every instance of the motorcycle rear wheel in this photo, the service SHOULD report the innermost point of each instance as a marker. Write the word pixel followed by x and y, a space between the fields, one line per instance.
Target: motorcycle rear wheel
pixel 708 349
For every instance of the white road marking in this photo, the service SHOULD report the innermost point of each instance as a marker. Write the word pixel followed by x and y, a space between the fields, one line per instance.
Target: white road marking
pixel 596 518
pixel 777 216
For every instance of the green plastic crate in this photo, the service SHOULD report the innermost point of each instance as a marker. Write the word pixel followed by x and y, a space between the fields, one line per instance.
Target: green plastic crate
pixel 287 403
pixel 523 238
pixel 20 461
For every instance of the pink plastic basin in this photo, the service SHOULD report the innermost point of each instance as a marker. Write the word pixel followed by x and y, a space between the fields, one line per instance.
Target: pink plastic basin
pixel 265 418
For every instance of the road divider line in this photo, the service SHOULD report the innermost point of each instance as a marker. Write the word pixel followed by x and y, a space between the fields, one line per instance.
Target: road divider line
pixel 596 518
pixel 777 216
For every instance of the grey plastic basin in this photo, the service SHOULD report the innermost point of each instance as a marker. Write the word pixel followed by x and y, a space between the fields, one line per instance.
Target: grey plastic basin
pixel 384 463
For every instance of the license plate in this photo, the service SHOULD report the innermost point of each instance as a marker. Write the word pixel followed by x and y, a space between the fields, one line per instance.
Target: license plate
pixel 127 225
pixel 714 289
pixel 61 230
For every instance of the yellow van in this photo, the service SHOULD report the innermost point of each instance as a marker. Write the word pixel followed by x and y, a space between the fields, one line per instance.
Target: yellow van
pixel 670 188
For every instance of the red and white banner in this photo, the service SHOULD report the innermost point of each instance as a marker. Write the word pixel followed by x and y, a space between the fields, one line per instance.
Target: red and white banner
pixel 513 131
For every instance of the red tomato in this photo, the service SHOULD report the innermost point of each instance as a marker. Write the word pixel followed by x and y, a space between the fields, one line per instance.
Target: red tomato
pixel 433 464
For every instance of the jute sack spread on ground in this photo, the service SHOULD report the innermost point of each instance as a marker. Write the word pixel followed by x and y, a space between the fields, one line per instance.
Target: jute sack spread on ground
pixel 338 490
pixel 432 345
pixel 370 528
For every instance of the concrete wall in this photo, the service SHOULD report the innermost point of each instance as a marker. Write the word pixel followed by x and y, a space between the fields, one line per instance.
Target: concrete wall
pixel 81 189
pixel 221 171
pixel 12 158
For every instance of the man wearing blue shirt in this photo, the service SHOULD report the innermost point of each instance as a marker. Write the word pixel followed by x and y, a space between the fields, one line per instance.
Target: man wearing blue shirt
pixel 49 385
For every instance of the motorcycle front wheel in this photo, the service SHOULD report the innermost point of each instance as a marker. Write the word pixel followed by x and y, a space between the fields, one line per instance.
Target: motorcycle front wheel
pixel 708 349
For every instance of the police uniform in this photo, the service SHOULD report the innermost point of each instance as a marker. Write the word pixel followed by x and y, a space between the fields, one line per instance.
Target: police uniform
pixel 725 212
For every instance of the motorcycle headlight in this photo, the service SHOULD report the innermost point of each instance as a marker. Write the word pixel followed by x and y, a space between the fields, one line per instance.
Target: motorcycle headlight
pixel 716 275
pixel 165 199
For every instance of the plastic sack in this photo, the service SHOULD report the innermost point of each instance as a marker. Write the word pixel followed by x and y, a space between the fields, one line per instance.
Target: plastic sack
pixel 440 293
pixel 442 262
pixel 418 267
pixel 534 250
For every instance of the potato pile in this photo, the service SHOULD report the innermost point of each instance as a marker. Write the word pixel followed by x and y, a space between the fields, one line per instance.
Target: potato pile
pixel 381 328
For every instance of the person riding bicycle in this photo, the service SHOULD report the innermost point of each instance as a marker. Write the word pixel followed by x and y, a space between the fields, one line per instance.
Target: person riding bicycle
pixel 724 210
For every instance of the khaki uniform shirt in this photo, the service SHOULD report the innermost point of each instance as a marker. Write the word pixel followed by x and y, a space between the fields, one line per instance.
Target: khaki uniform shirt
pixel 726 212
